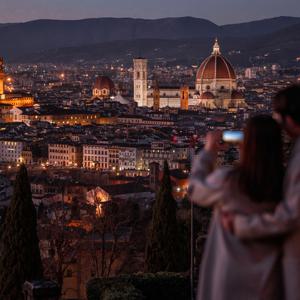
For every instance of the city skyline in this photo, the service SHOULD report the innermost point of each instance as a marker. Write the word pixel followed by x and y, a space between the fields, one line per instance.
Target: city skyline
pixel 102 121
pixel 217 11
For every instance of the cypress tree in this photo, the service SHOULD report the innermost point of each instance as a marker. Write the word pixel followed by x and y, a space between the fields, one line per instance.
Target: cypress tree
pixel 20 258
pixel 163 244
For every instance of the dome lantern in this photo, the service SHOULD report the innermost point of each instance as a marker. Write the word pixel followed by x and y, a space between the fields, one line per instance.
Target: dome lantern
pixel 216 48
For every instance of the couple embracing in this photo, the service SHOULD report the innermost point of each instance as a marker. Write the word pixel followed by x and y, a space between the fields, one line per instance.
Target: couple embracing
pixel 253 245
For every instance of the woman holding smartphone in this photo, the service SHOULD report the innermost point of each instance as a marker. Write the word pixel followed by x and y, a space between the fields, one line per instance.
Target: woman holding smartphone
pixel 231 269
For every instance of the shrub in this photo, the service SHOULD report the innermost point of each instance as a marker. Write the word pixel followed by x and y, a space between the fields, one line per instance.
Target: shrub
pixel 147 286
pixel 122 291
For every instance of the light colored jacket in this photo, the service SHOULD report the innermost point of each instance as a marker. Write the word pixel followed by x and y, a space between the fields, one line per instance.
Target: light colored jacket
pixel 285 220
pixel 231 269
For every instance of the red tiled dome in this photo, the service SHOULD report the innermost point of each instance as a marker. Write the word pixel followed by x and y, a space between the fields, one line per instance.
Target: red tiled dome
pixel 216 66
pixel 104 82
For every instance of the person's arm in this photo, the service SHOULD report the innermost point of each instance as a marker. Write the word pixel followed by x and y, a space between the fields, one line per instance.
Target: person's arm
pixel 205 184
pixel 285 218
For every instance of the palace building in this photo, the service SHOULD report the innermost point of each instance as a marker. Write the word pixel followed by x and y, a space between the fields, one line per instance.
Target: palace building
pixel 215 86
pixel 14 99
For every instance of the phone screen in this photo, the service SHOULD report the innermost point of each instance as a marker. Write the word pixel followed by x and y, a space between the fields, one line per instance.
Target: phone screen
pixel 233 136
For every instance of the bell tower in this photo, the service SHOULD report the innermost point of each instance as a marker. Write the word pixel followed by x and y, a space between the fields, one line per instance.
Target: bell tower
pixel 140 75
pixel 156 96
pixel 2 76
pixel 184 97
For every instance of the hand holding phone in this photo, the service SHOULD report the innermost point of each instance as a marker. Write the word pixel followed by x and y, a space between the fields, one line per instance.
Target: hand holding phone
pixel 213 139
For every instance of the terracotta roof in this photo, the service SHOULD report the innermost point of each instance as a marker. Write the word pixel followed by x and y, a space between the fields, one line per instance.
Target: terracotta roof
pixel 215 66
pixel 103 82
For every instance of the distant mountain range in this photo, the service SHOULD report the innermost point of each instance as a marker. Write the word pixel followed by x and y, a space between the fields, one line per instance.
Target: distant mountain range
pixel 178 40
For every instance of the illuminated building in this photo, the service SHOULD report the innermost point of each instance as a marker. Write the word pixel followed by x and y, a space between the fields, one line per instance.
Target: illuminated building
pixel 215 86
pixel 95 157
pixel 216 82
pixel 140 75
pixel 143 121
pixel 11 151
pixel 156 96
pixel 27 157
pixel 161 151
pixel 58 117
pixel 122 157
pixel 64 154
pixel 14 99
pixel 184 98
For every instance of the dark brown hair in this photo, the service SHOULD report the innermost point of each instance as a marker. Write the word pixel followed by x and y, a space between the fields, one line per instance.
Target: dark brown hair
pixel 287 102
pixel 261 164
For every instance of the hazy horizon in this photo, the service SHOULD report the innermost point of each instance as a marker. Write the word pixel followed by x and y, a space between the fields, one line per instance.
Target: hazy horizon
pixel 217 11
pixel 112 17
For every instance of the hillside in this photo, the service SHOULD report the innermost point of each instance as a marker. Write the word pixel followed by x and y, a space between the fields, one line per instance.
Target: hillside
pixel 185 40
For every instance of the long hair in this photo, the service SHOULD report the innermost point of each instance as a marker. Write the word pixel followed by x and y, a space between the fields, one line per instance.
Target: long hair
pixel 261 164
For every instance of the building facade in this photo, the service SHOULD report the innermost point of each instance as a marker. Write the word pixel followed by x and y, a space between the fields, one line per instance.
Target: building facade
pixel 96 157
pixel 127 158
pixel 11 151
pixel 65 154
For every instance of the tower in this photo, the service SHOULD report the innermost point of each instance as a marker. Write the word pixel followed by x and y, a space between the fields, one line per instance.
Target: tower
pixel 140 81
pixel 184 97
pixel 156 96
pixel 2 76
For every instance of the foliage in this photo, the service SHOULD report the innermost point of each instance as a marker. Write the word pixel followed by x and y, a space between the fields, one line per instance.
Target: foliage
pixel 20 258
pixel 61 245
pixel 110 222
pixel 163 250
pixel 167 286
pixel 122 291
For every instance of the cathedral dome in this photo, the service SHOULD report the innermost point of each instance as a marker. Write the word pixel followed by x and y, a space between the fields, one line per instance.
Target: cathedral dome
pixel 104 82
pixel 216 66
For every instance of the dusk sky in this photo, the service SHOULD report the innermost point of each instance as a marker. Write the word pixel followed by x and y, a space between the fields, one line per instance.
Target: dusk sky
pixel 218 11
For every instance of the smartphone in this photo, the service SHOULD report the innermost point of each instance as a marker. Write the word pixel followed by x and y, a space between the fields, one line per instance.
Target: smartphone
pixel 233 136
